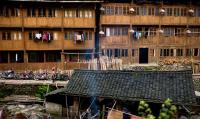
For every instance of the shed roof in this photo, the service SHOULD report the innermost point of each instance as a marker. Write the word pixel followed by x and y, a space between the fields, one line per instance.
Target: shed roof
pixel 152 86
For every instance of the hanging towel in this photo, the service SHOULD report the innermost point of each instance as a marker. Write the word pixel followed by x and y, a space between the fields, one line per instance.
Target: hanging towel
pixel 78 37
pixel 38 36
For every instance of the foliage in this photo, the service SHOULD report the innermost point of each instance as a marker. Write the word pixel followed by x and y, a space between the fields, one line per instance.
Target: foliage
pixel 145 111
pixel 6 91
pixel 167 111
pixel 42 90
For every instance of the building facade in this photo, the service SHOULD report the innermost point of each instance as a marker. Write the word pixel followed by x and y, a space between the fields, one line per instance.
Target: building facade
pixel 43 34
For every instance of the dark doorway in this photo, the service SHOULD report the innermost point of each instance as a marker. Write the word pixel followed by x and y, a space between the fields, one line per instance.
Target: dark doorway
pixel 143 58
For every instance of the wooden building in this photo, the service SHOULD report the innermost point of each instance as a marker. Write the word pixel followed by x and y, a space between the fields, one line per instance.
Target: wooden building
pixel 149 31
pixel 65 34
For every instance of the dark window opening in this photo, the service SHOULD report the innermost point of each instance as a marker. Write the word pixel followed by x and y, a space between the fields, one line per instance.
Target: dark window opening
pixel 42 12
pixel 117 52
pixel 188 52
pixel 31 12
pixel 36 57
pixel 17 57
pixel 179 52
pixel 6 36
pixel 3 57
pixel 51 13
pixel 196 51
pixel 53 56
pixel 133 52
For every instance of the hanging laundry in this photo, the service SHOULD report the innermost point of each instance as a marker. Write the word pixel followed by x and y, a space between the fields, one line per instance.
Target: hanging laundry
pixel 139 35
pixel 78 37
pixel 38 36
pixel 45 36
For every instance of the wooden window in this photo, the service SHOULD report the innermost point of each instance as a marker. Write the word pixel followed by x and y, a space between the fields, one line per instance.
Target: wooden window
pixel 90 35
pixel 108 10
pixel 70 13
pixel 41 12
pixel 116 10
pixel 157 13
pixel 117 52
pixel 5 12
pixel 171 52
pixel 31 35
pixel 169 31
pixel 177 12
pixel 125 31
pixel 15 12
pixel 53 56
pixel 90 12
pixel 51 12
pixel 3 57
pixel 103 52
pixel 133 52
pixel 166 52
pixel 31 12
pixel 179 32
pixel 124 52
pixel 17 36
pixel 188 52
pixel 6 36
pixel 112 31
pixel 120 11
pixel 137 11
pixel 168 11
pixel 35 56
pixel 125 11
pixel 143 11
pixel 151 11
pixel 17 57
pixel 161 52
pixel 196 51
pixel 109 52
pixel 179 52
pixel 183 11
pixel 111 10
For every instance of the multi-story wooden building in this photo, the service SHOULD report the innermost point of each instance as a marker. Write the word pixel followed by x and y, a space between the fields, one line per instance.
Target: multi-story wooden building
pixel 46 34
pixel 147 32
pixel 43 34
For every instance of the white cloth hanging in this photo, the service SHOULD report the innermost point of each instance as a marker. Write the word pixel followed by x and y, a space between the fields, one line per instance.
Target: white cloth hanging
pixel 107 31
pixel 38 35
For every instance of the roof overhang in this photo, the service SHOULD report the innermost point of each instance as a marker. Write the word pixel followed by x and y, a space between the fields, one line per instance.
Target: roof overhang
pixel 61 1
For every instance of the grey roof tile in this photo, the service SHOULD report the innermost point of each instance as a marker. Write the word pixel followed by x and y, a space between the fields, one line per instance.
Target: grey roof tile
pixel 133 85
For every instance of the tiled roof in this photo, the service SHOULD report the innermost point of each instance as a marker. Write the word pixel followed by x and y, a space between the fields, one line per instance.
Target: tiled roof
pixel 153 86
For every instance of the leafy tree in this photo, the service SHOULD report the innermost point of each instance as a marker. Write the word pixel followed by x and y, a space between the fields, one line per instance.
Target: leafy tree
pixel 42 90
pixel 167 111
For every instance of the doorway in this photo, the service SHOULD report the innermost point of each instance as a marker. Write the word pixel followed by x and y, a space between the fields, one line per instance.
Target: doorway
pixel 143 55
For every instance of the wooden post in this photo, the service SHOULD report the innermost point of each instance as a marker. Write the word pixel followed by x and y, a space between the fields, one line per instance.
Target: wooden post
pixel 103 112
pixel 67 107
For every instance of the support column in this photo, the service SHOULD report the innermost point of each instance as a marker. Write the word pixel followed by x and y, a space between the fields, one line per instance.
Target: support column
pixel 63 63
pixel 25 60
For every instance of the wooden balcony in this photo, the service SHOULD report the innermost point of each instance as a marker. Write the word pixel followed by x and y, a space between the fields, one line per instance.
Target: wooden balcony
pixel 114 41
pixel 42 22
pixel 115 19
pixel 174 41
pixel 43 45
pixel 71 44
pixel 79 22
pixel 42 65
pixel 11 44
pixel 173 20
pixel 145 20
pixel 10 21
pixel 194 20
